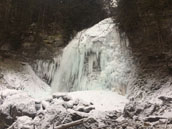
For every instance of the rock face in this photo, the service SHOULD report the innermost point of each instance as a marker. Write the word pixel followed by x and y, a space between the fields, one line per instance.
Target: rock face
pixel 48 47
pixel 43 29
pixel 20 76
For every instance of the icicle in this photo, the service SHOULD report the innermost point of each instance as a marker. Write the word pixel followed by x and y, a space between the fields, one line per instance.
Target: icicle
pixel 45 69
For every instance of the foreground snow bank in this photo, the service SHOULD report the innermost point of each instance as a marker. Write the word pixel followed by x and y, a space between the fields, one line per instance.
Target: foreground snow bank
pixel 102 100
pixel 19 110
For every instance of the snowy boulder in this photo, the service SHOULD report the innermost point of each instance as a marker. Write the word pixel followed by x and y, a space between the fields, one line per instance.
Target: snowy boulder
pixel 139 109
pixel 53 115
pixel 38 105
pixel 16 103
pixel 165 99
pixel 67 102
pixel 23 122
pixel 64 96
pixel 85 109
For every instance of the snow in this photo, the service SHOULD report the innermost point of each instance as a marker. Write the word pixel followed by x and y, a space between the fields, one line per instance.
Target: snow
pixel 22 77
pixel 24 122
pixel 96 59
pixel 56 109
pixel 114 3
pixel 102 100
pixel 45 69
pixel 16 99
pixel 167 114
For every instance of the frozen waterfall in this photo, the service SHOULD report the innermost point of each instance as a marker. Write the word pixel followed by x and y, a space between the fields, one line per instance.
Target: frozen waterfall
pixel 45 69
pixel 95 59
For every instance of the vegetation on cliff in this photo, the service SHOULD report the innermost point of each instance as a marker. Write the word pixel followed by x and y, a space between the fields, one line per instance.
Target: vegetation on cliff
pixel 146 23
pixel 62 17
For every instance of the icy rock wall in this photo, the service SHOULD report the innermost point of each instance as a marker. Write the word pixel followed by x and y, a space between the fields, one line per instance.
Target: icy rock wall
pixel 96 59
pixel 45 69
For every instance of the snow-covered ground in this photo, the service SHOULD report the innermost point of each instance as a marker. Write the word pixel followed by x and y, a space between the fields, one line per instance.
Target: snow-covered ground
pixel 24 111
pixel 102 100
pixel 19 75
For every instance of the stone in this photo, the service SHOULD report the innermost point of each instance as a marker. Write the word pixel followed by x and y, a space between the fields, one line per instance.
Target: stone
pixel 62 95
pixel 153 118
pixel 1 75
pixel 165 99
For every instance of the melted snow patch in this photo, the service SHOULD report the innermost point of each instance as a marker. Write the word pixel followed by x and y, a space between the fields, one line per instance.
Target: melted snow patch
pixel 102 100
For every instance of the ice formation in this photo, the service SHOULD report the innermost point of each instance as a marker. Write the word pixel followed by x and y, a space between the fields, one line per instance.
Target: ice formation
pixel 96 59
pixel 45 69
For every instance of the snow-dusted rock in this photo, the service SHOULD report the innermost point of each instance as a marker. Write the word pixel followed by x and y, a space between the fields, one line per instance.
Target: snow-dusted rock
pixel 64 96
pixel 17 103
pixel 139 109
pixel 23 122
pixel 13 104
pixel 20 76
pixel 85 109
pixel 165 99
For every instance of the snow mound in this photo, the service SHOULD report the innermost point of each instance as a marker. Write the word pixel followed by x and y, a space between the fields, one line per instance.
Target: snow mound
pixel 22 77
pixel 102 100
